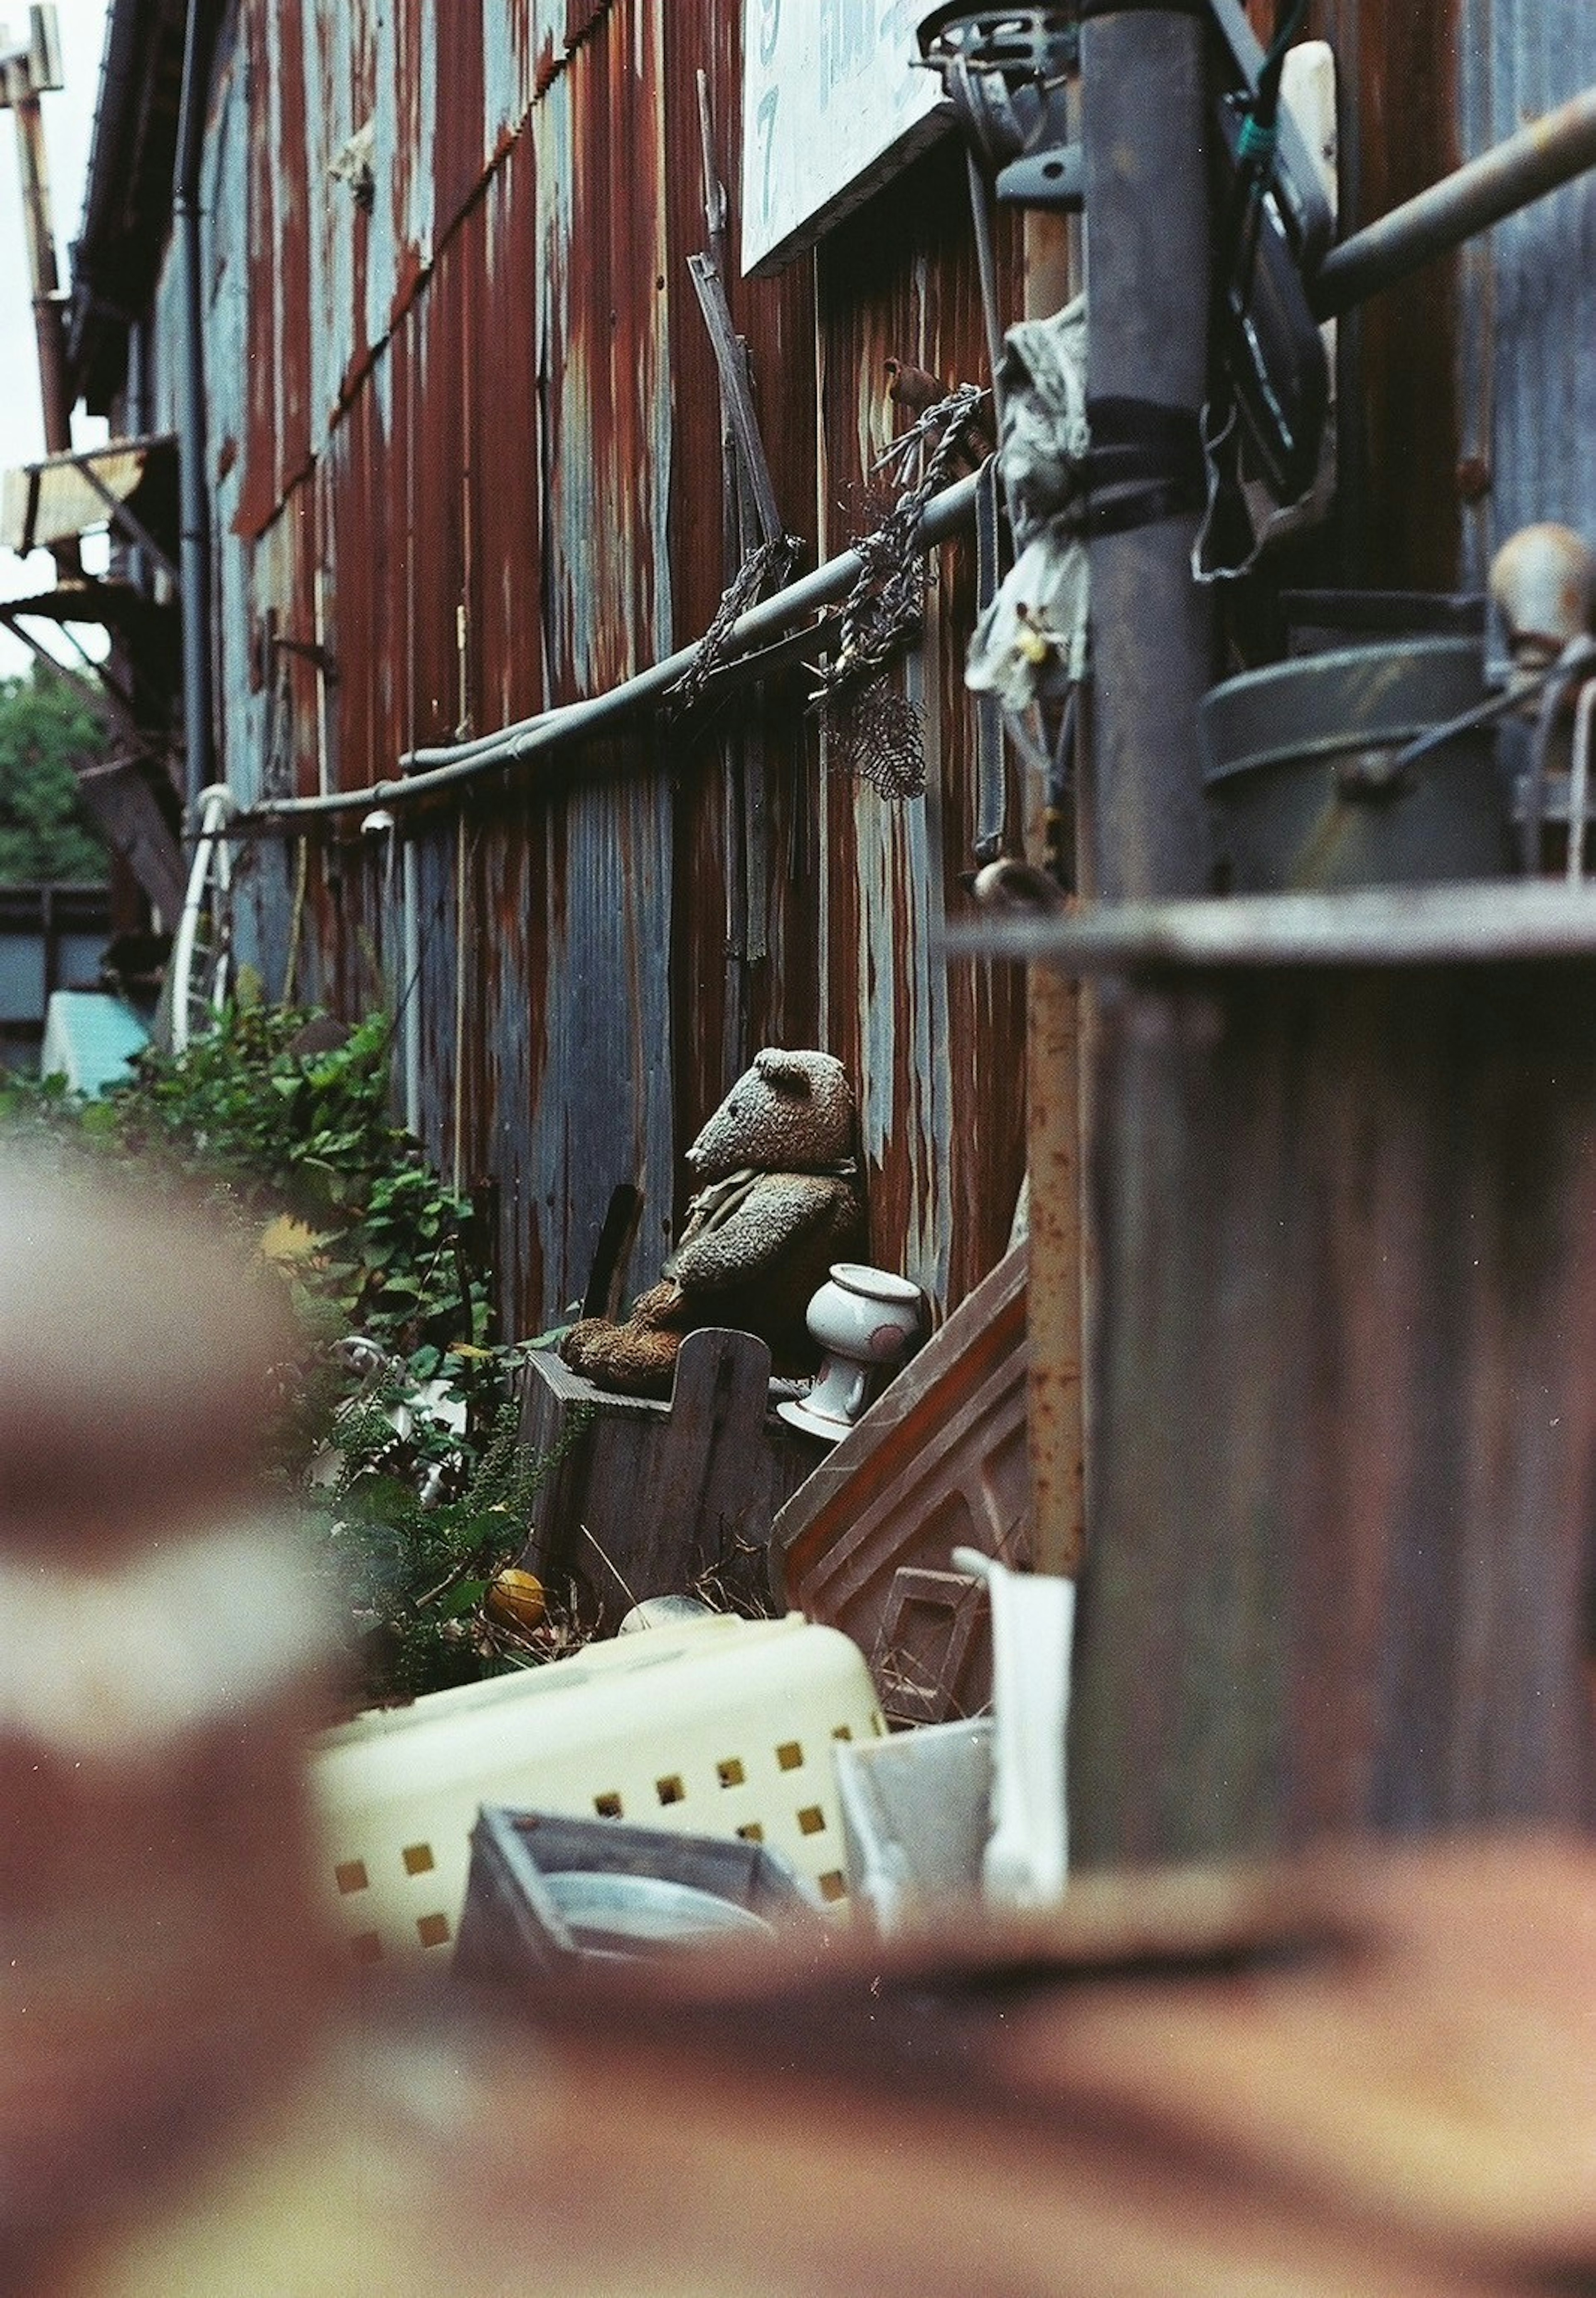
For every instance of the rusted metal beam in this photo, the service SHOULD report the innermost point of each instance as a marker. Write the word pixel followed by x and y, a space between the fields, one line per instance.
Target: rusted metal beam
pixel 1056 1307
pixel 1417 925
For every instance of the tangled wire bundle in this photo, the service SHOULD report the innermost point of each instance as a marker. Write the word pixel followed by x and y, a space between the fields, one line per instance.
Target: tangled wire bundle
pixel 872 730
pixel 768 562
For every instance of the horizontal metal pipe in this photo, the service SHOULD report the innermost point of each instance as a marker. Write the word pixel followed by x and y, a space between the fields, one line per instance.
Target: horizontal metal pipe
pixel 575 721
pixel 1487 924
pixel 1548 152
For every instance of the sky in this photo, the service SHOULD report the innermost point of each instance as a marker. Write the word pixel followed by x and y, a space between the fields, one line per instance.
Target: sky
pixel 68 130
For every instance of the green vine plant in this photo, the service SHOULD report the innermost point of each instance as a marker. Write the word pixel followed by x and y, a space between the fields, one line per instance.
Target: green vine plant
pixel 396 1424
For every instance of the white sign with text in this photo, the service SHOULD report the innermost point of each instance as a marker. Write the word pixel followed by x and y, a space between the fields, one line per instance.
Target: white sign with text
pixel 833 104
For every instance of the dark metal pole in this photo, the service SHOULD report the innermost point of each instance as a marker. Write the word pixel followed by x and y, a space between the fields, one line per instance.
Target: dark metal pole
pixel 1144 118
pixel 1536 160
pixel 193 507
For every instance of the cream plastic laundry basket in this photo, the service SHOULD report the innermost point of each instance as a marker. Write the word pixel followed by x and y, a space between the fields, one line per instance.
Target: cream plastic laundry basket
pixel 719 1727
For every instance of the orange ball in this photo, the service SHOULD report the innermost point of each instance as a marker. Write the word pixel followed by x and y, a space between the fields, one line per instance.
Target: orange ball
pixel 516 1599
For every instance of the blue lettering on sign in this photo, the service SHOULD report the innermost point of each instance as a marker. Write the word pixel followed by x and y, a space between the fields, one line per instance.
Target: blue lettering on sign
pixel 770 28
pixel 765 129
pixel 847 43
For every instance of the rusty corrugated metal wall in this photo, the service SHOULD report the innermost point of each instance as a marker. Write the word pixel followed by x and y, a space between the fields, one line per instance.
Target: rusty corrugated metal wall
pixel 1468 394
pixel 466 445
pixel 1528 376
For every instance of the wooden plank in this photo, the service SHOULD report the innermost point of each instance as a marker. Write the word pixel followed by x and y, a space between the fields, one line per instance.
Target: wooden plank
pixel 1054 1119
pixel 709 1490
pixel 655 1496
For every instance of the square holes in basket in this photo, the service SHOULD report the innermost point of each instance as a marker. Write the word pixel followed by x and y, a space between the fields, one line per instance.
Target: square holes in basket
pixel 434 1929
pixel 788 1757
pixel 770 1790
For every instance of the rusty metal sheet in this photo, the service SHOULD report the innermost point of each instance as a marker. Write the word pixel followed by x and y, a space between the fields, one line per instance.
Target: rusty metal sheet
pixel 1399 516
pixel 1344 1434
pixel 746 950
pixel 1529 289
pixel 603 285
pixel 939 1063
pixel 568 1019
pixel 467 451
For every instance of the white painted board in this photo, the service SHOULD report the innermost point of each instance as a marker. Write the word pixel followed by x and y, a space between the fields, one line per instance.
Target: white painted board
pixel 832 105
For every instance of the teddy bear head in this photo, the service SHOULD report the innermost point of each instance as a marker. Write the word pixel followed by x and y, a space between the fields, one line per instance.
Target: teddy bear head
pixel 791 1110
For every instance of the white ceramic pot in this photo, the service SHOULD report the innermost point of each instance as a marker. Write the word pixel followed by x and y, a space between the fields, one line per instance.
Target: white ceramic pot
pixel 865 1321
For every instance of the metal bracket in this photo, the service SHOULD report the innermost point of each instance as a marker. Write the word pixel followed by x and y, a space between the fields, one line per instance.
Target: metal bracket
pixel 1054 179
pixel 133 527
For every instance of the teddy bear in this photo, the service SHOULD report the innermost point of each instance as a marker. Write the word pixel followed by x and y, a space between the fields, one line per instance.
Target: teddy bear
pixel 779 1202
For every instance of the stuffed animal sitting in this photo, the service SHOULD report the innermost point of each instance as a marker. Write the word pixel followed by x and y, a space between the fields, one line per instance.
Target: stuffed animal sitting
pixel 780 1201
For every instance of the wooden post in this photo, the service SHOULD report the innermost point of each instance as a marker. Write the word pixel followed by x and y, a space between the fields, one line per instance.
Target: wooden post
pixel 1056 1419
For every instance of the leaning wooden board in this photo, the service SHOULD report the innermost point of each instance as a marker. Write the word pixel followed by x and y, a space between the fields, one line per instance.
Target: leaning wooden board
pixel 657 1500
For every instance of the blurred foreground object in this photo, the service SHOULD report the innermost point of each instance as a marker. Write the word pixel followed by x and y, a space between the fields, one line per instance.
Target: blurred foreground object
pixel 1364 2072
pixel 159 1667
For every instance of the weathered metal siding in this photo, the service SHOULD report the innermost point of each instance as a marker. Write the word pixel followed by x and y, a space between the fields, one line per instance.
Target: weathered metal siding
pixel 1397 520
pixel 746 944
pixel 468 459
pixel 1529 320
pixel 937 1055
pixel 1468 392
pixel 467 452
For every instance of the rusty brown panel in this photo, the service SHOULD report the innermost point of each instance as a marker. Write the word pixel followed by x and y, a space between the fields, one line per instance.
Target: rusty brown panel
pixel 459 159
pixel 602 279
pixel 291 247
pixel 302 523
pixel 507 656
pixel 436 495
pixel 581 16
pixel 776 316
pixel 354 53
pixel 412 153
pixel 359 636
pixel 1343 1437
pixel 570 1021
pixel 1400 517
pixel 738 998
pixel 945 1151
pixel 258 493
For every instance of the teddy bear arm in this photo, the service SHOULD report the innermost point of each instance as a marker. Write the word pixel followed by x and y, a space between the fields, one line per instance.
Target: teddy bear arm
pixel 763 1233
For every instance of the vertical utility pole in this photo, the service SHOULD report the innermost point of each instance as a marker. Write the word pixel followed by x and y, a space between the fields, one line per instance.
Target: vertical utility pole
pixel 1144 120
pixel 26 74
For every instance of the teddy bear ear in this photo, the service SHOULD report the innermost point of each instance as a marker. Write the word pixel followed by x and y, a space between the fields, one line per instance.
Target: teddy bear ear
pixel 787 1072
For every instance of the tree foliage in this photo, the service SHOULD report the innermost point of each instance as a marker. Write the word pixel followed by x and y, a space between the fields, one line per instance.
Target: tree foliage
pixel 47 729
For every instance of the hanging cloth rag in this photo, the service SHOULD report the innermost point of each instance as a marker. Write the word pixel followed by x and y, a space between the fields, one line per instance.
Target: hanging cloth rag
pixel 1031 641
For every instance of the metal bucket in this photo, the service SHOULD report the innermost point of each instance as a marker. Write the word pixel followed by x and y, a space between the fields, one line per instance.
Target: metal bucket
pixel 1298 765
